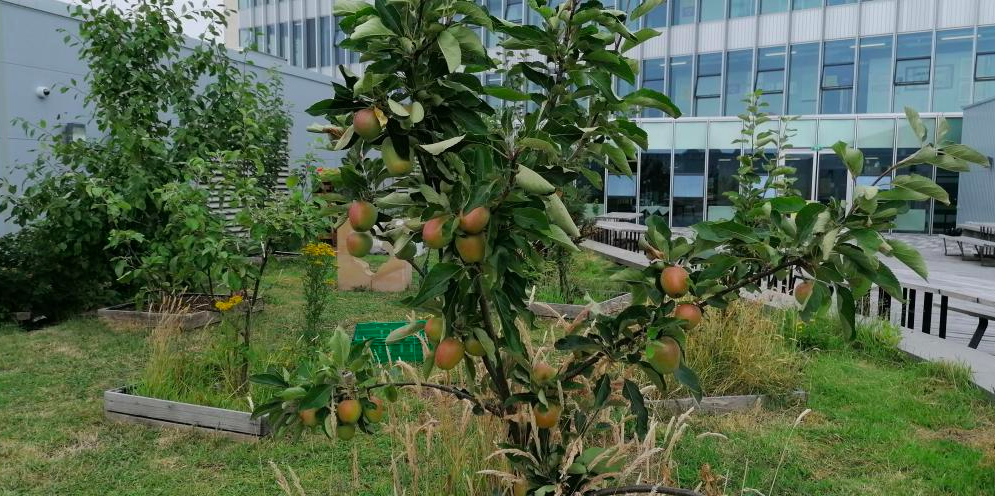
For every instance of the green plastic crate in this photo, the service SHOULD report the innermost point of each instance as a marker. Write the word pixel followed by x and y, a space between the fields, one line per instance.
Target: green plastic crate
pixel 408 349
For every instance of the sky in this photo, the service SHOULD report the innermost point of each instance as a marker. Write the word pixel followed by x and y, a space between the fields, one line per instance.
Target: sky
pixel 192 29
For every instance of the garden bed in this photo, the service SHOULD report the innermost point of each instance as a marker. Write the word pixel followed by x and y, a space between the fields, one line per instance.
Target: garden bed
pixel 570 310
pixel 727 404
pixel 193 310
pixel 121 405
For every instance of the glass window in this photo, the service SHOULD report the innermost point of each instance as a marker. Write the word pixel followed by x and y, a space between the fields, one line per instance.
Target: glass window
pixel 297 44
pixel 654 71
pixel 742 8
pixel 770 78
pixel 917 219
pixel 681 83
pixel 654 183
pixel 284 35
pixel 772 6
pixel 656 18
pixel 623 87
pixel 876 138
pixel 492 36
pixel 689 187
pixel 713 10
pixel 722 167
pixel 621 193
pixel 244 4
pixel 952 82
pixel 803 79
pixel 832 180
pixel 270 39
pixel 806 4
pixel 244 38
pixel 310 43
pixel 840 2
pixel 984 73
pixel 805 133
pixel 513 12
pixel 834 130
pixel 260 39
pixel 325 40
pixel 739 68
pixel 804 165
pixel 912 69
pixel 874 75
pixel 708 87
pixel 837 77
pixel 683 11
pixel 660 135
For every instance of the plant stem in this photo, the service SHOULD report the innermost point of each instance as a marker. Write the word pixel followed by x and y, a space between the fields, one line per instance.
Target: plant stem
pixel 247 331
pixel 457 392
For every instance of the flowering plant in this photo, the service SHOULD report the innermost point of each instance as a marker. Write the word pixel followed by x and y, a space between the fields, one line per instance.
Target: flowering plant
pixel 319 265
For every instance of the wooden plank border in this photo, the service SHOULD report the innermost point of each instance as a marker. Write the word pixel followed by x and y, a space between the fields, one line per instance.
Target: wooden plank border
pixel 570 311
pixel 727 404
pixel 121 405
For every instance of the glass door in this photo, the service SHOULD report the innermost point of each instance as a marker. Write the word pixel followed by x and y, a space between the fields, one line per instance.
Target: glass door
pixel 832 179
pixel 803 161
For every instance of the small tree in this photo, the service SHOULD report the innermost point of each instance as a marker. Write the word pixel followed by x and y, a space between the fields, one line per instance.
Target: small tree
pixel 479 184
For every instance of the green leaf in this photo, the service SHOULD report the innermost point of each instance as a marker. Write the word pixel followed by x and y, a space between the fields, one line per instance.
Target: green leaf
pixel 853 158
pixel 644 8
pixel 372 27
pixel 539 145
pixel 505 93
pixel 641 37
pixel 450 50
pixel 909 256
pixel 914 187
pixel 317 397
pixel 348 7
pixel 966 153
pixel 646 97
pixel 637 406
pixel 788 204
pixel 847 310
pixel 397 108
pixel 918 128
pixel 689 379
pixel 602 391
pixel 436 282
pixel 404 331
pixel 269 379
pixel 437 148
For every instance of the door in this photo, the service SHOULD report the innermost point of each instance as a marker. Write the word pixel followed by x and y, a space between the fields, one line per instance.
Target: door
pixel 803 161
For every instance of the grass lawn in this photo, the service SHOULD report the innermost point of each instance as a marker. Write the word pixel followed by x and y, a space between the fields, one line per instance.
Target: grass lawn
pixel 879 425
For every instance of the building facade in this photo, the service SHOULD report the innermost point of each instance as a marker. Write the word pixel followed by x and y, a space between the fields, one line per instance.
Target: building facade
pixel 848 68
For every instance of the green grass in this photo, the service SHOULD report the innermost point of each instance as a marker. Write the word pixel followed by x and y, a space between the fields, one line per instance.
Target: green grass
pixel 880 425
pixel 588 276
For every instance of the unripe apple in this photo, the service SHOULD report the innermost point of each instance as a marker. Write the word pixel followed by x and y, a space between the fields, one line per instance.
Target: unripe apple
pixel 345 432
pixel 448 354
pixel 547 417
pixel 471 248
pixel 543 373
pixel 407 252
pixel 359 244
pixel 521 488
pixel 674 280
pixel 374 415
pixel 362 215
pixel 666 357
pixel 366 123
pixel 435 328
pixel 474 347
pixel 309 417
pixel 349 411
pixel 395 164
pixel 803 291
pixel 432 233
pixel 475 221
pixel 689 312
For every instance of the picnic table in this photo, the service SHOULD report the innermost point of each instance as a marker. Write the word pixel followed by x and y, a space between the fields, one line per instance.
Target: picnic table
pixel 980 235
pixel 623 235
pixel 621 216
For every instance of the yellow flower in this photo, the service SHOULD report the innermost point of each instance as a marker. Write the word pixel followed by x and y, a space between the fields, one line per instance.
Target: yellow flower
pixel 225 305
pixel 318 250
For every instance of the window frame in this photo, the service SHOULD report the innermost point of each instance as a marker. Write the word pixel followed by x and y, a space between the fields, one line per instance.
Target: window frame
pixel 977 66
pixel 929 71
pixel 853 77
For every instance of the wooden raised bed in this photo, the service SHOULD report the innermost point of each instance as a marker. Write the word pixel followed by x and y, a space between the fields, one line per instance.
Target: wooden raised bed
pixel 200 312
pixel 122 406
pixel 571 311
pixel 725 404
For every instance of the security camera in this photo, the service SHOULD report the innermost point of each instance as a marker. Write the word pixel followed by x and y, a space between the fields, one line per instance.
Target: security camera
pixel 43 91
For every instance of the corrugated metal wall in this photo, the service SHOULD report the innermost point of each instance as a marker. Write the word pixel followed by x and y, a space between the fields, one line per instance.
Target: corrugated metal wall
pixel 976 199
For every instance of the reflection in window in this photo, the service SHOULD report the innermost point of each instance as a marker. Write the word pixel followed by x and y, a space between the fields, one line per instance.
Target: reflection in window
pixel 513 11
pixel 270 39
pixel 742 8
pixel 653 74
pixel 804 165
pixel 341 57
pixel 912 69
pixel 284 39
pixel 297 47
pixel 712 10
pixel 326 41
pixel 654 183
pixel 952 81
pixel 837 77
pixel 803 79
pixel 310 43
pixel 656 18
pixel 832 180
pixel 722 167
pixel 770 78
pixel 689 186
pixel 739 66
pixel 708 87
pixel 681 83
pixel 984 71
pixel 874 75
pixel 805 4
pixel 621 193
pixel 682 11
pixel 772 6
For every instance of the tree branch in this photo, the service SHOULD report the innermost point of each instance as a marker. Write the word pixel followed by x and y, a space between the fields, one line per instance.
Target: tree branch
pixel 643 489
pixel 457 392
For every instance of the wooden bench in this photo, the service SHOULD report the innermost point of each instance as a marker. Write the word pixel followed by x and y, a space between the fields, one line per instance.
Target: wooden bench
pixel 982 247
pixel 907 316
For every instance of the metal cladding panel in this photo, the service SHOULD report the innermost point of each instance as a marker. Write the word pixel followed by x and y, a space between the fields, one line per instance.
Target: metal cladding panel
pixel 842 21
pixel 877 18
pixel 916 15
pixel 773 29
pixel 682 39
pixel 975 202
pixel 986 11
pixel 958 13
pixel 656 47
pixel 712 36
pixel 271 16
pixel 244 19
pixel 806 25
pixel 742 33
